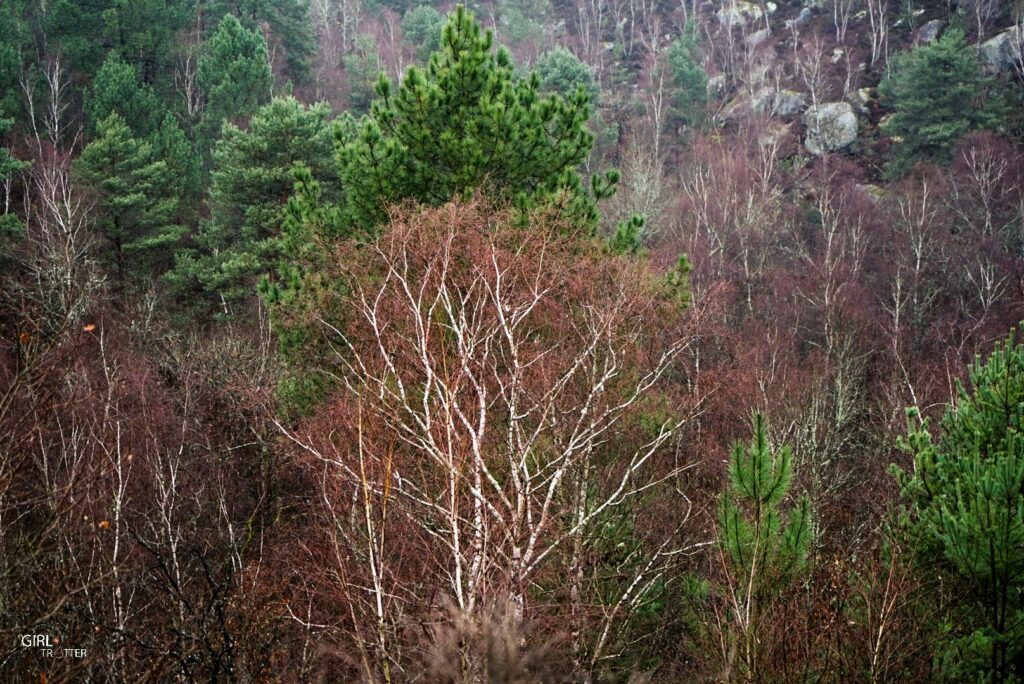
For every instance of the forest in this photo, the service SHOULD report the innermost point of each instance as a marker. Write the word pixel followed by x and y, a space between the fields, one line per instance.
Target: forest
pixel 579 341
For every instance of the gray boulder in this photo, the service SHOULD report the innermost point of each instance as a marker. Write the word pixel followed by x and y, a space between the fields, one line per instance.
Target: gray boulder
pixel 789 103
pixel 738 13
pixel 830 127
pixel 931 31
pixel 1002 52
pixel 757 37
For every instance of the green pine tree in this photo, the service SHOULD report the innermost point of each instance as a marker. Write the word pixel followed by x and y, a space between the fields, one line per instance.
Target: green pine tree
pixel 688 78
pixel 937 93
pixel 363 66
pixel 289 23
pixel 172 146
pixel 235 75
pixel 562 72
pixel 422 27
pixel 467 123
pixel 252 179
pixel 117 88
pixel 764 549
pixel 134 201
pixel 966 497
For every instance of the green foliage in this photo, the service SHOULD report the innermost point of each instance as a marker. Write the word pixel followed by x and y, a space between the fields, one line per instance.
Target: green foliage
pixel 143 33
pixel 117 88
pixel 172 146
pixel 966 494
pixel 362 69
pixel 422 27
pixel 628 236
pixel 468 123
pixel 678 281
pixel 688 78
pixel 765 552
pixel 562 72
pixel 235 75
pixel 288 21
pixel 135 207
pixel 937 94
pixel 253 175
pixel 10 226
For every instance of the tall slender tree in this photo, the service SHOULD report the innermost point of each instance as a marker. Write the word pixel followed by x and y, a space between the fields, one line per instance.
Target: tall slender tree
pixel 135 201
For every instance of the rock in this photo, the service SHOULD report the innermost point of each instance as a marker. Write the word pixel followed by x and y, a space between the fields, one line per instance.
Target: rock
pixel 837 55
pixel 930 31
pixel 716 84
pixel 1003 51
pixel 757 37
pixel 861 99
pixel 874 192
pixel 789 103
pixel 804 17
pixel 775 135
pixel 738 13
pixel 831 126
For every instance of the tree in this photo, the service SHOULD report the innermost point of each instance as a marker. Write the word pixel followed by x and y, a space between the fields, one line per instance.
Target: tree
pixel 464 123
pixel 10 226
pixel 689 80
pixel 235 75
pixel 363 66
pixel 966 498
pixel 499 417
pixel 253 175
pixel 288 20
pixel 937 94
pixel 422 27
pixel 117 88
pixel 172 146
pixel 562 72
pixel 134 201
pixel 762 552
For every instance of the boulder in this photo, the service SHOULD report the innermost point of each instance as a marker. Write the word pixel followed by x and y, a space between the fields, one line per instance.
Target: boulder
pixel 757 37
pixel 738 13
pixel 931 31
pixel 1003 51
pixel 804 17
pixel 861 99
pixel 830 127
pixel 716 85
pixel 789 103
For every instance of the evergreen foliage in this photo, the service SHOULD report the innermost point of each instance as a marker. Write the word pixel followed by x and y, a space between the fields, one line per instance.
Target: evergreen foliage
pixel 937 93
pixel 252 178
pixel 422 27
pixel 134 201
pixel 117 88
pixel 966 494
pixel 235 75
pixel 288 21
pixel 10 226
pixel 689 80
pixel 562 72
pixel 764 549
pixel 465 123
pixel 362 69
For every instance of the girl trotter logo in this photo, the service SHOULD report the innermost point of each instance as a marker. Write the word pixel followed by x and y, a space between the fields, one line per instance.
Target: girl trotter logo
pixel 49 645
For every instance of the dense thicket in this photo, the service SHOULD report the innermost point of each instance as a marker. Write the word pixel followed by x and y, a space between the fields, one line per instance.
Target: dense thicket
pixel 380 340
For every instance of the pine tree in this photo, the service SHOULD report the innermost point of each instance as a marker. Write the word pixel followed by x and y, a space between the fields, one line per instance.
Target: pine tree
pixel 288 21
pixel 172 146
pixel 363 66
pixel 253 175
pixel 764 552
pixel 422 27
pixel 688 78
pixel 117 88
pixel 966 494
pixel 134 201
pixel 467 123
pixel 562 72
pixel 937 93
pixel 235 75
